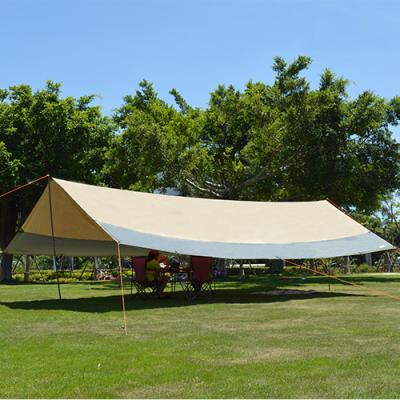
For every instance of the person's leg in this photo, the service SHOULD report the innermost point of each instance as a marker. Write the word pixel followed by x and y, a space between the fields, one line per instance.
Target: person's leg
pixel 162 283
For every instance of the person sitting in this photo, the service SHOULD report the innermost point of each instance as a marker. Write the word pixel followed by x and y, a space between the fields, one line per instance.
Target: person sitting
pixel 155 272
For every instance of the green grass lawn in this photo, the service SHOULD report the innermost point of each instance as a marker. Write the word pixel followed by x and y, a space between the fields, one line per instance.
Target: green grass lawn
pixel 339 343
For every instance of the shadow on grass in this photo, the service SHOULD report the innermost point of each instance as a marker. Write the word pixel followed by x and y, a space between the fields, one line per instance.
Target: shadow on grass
pixel 133 302
pixel 299 280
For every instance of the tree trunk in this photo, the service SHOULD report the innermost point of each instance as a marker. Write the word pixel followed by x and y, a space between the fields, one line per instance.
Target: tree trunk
pixel 387 262
pixel 6 268
pixel 95 268
pixel 71 262
pixel 368 259
pixel 27 268
pixel 347 266
pixel 8 224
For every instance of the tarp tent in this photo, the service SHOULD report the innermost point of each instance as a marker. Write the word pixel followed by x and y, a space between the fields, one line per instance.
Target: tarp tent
pixel 90 220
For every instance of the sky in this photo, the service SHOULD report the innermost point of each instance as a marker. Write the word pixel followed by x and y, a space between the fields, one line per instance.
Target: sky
pixel 107 47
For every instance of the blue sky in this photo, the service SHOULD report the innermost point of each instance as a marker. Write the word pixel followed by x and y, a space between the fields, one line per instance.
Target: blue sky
pixel 107 47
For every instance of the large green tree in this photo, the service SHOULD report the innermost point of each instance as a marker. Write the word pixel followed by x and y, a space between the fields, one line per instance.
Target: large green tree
pixel 43 133
pixel 283 141
pixel 155 145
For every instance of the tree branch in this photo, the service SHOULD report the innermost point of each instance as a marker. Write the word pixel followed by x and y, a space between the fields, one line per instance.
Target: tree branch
pixel 203 189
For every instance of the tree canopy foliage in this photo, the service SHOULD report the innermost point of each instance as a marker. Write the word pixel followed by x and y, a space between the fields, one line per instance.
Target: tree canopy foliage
pixel 283 141
pixel 45 133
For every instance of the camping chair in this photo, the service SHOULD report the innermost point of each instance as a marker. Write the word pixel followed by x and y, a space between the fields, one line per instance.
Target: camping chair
pixel 139 280
pixel 200 281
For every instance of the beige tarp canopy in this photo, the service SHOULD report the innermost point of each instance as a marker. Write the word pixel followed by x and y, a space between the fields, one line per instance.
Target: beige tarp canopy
pixel 90 220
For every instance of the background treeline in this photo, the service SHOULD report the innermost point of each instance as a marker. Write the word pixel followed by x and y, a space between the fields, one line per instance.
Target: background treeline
pixel 278 141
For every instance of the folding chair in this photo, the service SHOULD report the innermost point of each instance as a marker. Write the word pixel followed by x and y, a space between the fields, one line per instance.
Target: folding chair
pixel 200 281
pixel 140 282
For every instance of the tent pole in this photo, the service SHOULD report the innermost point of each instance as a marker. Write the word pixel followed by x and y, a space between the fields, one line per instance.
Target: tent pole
pixel 122 287
pixel 53 239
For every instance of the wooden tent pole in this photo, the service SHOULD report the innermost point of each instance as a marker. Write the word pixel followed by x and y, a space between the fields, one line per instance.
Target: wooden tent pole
pixel 122 287
pixel 53 239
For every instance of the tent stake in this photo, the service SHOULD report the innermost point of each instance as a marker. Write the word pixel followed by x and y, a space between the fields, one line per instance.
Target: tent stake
pixel 122 287
pixel 53 239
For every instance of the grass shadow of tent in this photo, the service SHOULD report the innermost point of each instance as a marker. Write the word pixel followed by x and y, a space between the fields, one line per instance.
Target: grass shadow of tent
pixel 106 304
pixel 300 280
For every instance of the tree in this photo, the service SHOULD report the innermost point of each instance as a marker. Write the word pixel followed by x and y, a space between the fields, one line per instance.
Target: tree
pixel 343 149
pixel 283 141
pixel 153 146
pixel 44 133
pixel 288 142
